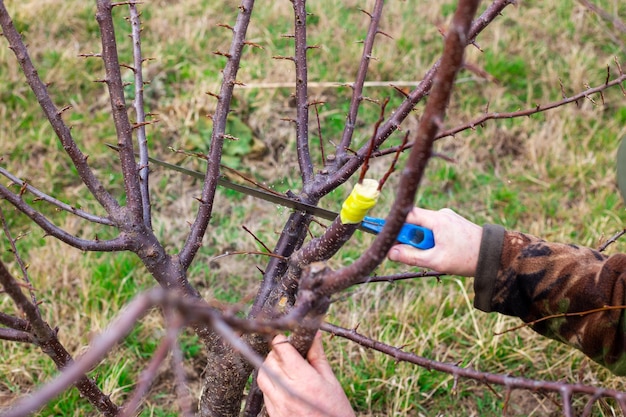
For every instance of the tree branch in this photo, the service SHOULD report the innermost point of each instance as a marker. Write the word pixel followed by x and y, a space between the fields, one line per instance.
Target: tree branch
pixel 113 80
pixel 479 121
pixel 565 389
pixel 302 95
pixel 49 199
pixel 13 322
pixel 434 113
pixel 345 169
pixel 118 244
pixel 194 240
pixel 13 335
pixel 53 114
pixel 357 86
pixel 46 338
pixel 20 261
pixel 140 123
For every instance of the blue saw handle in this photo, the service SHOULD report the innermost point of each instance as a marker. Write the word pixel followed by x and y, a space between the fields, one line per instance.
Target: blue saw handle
pixel 417 236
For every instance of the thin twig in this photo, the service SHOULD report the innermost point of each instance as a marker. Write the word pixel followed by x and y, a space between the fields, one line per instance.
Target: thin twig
pixel 611 240
pixel 507 381
pixel 57 203
pixel 479 121
pixel 140 123
pixel 392 168
pixel 561 315
pixel 259 241
pixel 359 82
pixel 372 141
pixel 20 261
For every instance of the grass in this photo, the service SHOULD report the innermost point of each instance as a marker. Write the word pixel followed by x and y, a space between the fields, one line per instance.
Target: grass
pixel 550 175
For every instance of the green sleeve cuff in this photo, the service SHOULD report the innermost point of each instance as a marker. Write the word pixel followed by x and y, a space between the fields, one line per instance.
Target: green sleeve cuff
pixel 488 265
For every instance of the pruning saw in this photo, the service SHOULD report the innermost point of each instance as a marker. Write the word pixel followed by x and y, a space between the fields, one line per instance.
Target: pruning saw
pixel 410 234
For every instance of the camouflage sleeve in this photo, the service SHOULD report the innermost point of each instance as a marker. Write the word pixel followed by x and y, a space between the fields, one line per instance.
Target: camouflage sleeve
pixel 523 276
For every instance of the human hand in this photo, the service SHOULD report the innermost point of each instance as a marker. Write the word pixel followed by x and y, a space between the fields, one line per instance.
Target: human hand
pixel 457 243
pixel 313 388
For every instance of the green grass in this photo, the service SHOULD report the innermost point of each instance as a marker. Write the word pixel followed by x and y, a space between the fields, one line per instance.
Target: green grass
pixel 550 174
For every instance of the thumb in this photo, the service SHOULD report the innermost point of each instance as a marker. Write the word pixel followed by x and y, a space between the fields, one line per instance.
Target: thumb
pixel 317 357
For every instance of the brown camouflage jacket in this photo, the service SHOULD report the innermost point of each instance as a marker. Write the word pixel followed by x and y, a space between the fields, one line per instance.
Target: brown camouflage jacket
pixel 523 276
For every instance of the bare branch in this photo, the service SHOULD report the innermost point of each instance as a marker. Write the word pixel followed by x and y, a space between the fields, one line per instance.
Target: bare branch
pixel 57 203
pixel 346 169
pixel 20 261
pixel 140 123
pixel 194 240
pixel 123 127
pixel 400 277
pixel 148 375
pixel 510 382
pixel 118 244
pixel 614 19
pixel 434 113
pixel 53 114
pixel 302 93
pixel 479 121
pixel 611 240
pixel 13 335
pixel 357 87
pixel 15 323
pixel 46 338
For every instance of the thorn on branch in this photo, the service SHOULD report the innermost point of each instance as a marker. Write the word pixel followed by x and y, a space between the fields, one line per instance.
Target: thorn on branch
pixel 226 54
pixel 230 137
pixel 255 45
pixel 239 83
pixel 400 90
pixel 476 45
pixel 259 241
pixel 371 100
pixel 91 55
pixel 138 125
pixel 313 47
pixel 217 96
pixel 288 58
pixel 130 67
pixel 619 67
pixel 366 12
pixel 226 25
pixel 392 168
pixel 60 112
pixel 380 32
